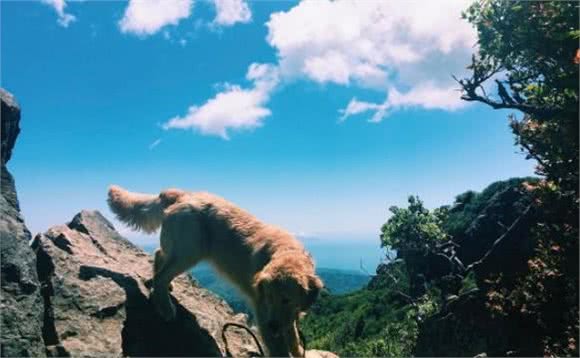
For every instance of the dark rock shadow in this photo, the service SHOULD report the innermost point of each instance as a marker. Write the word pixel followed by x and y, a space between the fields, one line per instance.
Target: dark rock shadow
pixel 145 334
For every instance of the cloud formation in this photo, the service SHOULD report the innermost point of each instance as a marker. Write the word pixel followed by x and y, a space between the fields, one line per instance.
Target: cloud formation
pixel 425 95
pixel 234 108
pixel 382 45
pixel 364 41
pixel 230 12
pixel 146 17
pixel 407 50
pixel 64 19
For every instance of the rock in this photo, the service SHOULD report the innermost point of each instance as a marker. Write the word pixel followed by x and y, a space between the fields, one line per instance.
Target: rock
pixel 315 353
pixel 21 304
pixel 95 288
pixel 10 124
pixel 82 290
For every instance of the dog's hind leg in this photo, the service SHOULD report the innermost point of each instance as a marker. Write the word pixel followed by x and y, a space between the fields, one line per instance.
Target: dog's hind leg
pixel 161 282
pixel 158 262
pixel 181 249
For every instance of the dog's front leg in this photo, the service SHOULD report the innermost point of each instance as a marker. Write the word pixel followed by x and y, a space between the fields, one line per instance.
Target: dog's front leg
pixel 162 302
pixel 274 339
pixel 294 341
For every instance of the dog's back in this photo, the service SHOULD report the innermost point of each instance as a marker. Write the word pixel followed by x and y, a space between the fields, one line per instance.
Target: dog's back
pixel 254 256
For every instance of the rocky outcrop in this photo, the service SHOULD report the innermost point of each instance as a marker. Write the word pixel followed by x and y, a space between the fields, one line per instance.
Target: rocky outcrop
pixel 20 304
pixel 81 289
pixel 10 124
pixel 95 289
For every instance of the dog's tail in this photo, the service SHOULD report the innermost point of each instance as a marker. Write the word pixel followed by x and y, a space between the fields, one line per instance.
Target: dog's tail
pixel 140 211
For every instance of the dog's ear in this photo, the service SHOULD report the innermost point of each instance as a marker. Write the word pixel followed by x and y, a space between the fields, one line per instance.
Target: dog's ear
pixel 314 287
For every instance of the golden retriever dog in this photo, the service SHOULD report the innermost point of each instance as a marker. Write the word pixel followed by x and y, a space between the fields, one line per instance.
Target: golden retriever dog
pixel 267 264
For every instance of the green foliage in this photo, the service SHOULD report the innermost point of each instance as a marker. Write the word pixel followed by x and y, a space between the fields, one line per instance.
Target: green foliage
pixel 470 205
pixel 522 299
pixel 395 340
pixel 412 228
pixel 374 321
pixel 468 283
pixel 456 313
pixel 533 44
pixel 342 281
pixel 336 281
pixel 544 297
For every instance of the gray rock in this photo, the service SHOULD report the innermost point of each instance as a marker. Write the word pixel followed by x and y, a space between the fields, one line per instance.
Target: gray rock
pixel 20 302
pixel 96 295
pixel 10 124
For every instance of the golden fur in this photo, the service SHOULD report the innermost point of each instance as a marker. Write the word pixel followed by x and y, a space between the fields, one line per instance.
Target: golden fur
pixel 268 265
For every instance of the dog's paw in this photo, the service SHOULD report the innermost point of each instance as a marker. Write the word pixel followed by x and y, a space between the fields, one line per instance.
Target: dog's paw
pixel 164 307
pixel 149 285
pixel 168 313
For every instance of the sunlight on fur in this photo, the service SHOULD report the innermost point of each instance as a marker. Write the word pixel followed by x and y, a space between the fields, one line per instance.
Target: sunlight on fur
pixel 267 264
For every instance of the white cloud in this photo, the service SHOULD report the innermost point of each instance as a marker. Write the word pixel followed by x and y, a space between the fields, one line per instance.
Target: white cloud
pixel 235 108
pixel 64 19
pixel 230 12
pixel 363 41
pixel 146 17
pixel 382 45
pixel 425 95
pixel 428 96
pixel 355 107
pixel 387 46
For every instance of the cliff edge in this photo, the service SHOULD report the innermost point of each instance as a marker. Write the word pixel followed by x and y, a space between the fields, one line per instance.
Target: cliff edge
pixel 20 302
pixel 95 290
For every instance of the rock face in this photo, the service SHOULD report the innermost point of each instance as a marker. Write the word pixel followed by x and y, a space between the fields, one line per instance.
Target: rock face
pixel 10 124
pixel 81 289
pixel 21 303
pixel 95 289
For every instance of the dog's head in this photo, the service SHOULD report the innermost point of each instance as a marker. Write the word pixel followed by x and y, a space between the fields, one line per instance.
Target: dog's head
pixel 284 291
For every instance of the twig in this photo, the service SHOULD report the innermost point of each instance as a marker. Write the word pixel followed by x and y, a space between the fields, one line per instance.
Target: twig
pixel 408 298
pixel 239 325
pixel 498 241
pixel 258 354
pixel 362 267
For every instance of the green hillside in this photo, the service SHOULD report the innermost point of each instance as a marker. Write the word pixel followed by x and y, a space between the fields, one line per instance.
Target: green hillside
pixel 429 301
pixel 336 281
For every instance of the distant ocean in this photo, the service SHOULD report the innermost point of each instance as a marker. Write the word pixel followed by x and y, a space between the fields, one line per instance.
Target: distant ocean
pixel 346 254
pixel 340 254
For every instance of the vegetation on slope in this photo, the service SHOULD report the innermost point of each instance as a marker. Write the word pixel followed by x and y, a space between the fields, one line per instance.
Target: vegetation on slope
pixel 335 281
pixel 389 316
pixel 497 271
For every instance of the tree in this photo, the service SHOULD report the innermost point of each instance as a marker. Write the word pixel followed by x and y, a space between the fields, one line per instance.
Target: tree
pixel 416 234
pixel 529 50
pixel 413 228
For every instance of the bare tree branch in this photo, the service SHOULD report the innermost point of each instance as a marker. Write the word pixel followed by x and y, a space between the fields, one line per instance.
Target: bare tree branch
pixel 499 240
pixel 481 75
pixel 362 268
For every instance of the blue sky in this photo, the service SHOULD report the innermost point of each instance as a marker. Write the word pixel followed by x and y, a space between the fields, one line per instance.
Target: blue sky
pixel 316 116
